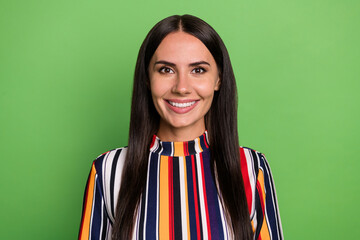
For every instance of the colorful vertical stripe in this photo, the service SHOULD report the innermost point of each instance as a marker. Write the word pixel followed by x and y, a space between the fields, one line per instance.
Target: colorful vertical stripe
pixel 180 200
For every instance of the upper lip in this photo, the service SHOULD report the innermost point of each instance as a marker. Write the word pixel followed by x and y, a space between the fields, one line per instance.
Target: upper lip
pixel 182 100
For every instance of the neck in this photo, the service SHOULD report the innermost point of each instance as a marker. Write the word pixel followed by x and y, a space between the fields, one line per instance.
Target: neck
pixel 171 134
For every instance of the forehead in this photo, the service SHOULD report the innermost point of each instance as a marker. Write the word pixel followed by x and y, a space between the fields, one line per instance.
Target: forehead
pixel 181 46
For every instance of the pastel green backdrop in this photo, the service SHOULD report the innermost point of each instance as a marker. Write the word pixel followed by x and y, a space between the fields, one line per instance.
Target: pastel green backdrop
pixel 66 71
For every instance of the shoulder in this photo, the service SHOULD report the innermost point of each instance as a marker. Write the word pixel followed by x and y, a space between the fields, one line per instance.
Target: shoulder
pixel 254 163
pixel 109 165
pixel 110 160
pixel 251 160
pixel 109 168
pixel 254 160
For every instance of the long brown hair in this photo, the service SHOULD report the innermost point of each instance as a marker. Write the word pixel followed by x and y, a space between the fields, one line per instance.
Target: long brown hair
pixel 221 124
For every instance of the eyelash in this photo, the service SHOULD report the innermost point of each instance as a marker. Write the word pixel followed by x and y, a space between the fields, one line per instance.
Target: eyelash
pixel 164 69
pixel 199 68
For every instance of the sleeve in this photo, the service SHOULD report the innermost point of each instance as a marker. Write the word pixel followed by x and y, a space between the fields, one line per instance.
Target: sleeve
pixel 95 223
pixel 266 206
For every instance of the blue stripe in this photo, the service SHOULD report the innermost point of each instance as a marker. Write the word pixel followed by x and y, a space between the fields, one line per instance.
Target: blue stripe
pixel 152 197
pixel 212 200
pixel 177 202
pixel 202 142
pixel 270 211
pixel 98 167
pixel 192 214
pixel 96 218
pixel 167 148
pixel 191 147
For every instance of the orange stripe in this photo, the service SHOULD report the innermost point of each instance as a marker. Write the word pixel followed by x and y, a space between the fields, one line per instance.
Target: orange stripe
pixel 198 141
pixel 264 232
pixel 164 198
pixel 85 227
pixel 178 149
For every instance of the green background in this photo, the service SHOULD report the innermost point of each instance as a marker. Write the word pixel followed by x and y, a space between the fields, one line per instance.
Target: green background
pixel 66 71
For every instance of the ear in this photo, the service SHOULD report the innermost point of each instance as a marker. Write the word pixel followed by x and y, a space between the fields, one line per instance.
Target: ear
pixel 217 84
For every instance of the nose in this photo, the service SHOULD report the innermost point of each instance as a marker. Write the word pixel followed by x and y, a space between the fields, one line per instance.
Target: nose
pixel 182 84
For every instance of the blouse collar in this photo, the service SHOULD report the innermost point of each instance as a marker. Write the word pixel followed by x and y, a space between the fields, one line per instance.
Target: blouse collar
pixel 177 149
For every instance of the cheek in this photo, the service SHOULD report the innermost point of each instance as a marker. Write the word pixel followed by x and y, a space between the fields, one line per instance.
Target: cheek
pixel 157 88
pixel 206 90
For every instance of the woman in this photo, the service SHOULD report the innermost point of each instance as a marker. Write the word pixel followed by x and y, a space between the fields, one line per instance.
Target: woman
pixel 182 175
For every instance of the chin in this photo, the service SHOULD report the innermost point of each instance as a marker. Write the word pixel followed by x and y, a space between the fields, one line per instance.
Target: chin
pixel 179 125
pixel 183 123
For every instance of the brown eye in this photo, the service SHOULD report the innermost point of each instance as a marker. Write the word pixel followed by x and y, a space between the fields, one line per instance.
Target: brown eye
pixel 166 70
pixel 198 70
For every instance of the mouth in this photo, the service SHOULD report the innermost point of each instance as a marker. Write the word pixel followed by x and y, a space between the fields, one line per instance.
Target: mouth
pixel 181 104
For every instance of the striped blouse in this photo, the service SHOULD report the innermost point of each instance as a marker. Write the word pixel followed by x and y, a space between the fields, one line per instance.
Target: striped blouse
pixel 180 200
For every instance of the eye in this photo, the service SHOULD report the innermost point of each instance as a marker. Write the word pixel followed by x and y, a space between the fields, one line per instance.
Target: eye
pixel 165 70
pixel 198 70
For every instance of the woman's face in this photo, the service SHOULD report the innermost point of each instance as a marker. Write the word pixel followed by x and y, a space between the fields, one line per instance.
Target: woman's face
pixel 183 77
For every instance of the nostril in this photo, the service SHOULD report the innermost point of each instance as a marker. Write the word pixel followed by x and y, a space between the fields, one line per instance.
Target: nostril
pixel 182 86
pixel 181 90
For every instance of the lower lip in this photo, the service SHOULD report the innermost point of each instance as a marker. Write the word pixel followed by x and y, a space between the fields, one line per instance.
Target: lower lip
pixel 181 110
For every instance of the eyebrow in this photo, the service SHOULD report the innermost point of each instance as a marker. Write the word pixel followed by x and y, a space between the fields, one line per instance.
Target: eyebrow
pixel 173 64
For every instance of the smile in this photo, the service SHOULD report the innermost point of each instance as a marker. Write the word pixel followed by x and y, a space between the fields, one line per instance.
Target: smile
pixel 182 105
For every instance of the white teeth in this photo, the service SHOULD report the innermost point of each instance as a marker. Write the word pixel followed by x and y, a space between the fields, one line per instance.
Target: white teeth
pixel 182 105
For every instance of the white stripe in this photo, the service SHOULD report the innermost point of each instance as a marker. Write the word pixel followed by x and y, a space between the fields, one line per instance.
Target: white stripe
pixel 182 198
pixel 161 148
pixel 102 214
pixel 201 197
pixel 136 227
pixel 197 149
pixel 109 231
pixel 106 186
pixel 223 220
pixel 157 144
pixel 106 176
pixel 153 149
pixel 106 171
